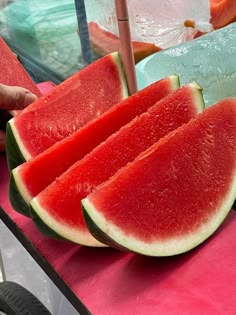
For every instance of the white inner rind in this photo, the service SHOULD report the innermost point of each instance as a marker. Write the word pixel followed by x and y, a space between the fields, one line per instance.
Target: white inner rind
pixel 171 246
pixel 21 186
pixel 175 84
pixel 27 156
pixel 70 233
pixel 198 97
pixel 123 81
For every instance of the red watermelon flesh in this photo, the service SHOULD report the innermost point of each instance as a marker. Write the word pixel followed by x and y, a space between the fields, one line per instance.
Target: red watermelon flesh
pixel 176 193
pixel 12 72
pixel 36 174
pixel 59 204
pixel 70 105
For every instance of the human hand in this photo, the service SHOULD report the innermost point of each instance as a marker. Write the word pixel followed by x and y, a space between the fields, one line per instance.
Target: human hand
pixel 13 98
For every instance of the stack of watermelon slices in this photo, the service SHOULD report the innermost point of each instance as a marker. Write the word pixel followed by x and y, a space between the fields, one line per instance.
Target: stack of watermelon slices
pixel 154 172
pixel 106 159
pixel 81 142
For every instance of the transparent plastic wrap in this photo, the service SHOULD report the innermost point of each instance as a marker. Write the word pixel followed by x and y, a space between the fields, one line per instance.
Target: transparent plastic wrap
pixel 162 22
pixel 210 60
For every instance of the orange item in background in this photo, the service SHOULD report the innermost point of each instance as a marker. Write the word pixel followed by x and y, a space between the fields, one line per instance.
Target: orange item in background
pixel 104 42
pixel 223 12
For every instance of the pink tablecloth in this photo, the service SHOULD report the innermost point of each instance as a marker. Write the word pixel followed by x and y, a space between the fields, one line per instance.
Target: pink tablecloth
pixel 110 282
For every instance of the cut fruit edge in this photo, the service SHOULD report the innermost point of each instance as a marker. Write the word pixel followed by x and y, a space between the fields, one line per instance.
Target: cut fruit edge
pixel 72 234
pixel 113 236
pixel 13 152
pixel 198 97
pixel 13 132
pixel 43 228
pixel 17 202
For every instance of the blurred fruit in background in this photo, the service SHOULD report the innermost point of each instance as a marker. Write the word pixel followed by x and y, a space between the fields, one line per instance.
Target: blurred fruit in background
pixel 155 24
pixel 223 12
pixel 104 42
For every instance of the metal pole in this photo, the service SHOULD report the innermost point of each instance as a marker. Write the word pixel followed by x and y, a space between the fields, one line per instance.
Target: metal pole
pixel 126 48
pixel 2 270
pixel 83 31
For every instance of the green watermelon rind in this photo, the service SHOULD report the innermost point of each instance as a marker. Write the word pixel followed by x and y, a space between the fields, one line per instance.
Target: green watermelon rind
pixel 42 227
pixel 99 234
pixel 16 200
pixel 38 216
pixel 13 152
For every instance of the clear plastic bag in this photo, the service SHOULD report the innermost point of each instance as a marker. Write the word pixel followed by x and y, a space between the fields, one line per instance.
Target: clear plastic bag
pixel 162 22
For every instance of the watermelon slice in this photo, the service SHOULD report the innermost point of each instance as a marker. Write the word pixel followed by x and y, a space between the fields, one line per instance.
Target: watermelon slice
pixel 58 206
pixel 85 139
pixel 68 107
pixel 104 42
pixel 175 194
pixel 14 74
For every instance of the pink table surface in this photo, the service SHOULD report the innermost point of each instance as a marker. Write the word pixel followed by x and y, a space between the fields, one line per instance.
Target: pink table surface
pixel 109 282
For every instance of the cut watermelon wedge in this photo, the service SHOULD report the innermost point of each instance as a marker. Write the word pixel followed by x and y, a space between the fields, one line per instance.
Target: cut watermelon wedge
pixel 58 206
pixel 12 72
pixel 69 106
pixel 35 175
pixel 175 194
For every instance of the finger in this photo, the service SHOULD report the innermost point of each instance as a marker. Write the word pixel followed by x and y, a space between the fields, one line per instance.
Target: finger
pixel 2 141
pixel 15 97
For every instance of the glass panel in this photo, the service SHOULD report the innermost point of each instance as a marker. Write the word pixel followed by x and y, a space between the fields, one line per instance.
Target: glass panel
pixel 44 35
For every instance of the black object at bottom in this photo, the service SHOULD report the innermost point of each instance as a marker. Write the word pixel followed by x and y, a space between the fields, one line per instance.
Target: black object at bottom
pixel 16 300
pixel 44 264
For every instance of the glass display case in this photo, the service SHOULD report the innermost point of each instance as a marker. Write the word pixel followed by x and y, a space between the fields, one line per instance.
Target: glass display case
pixel 44 36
